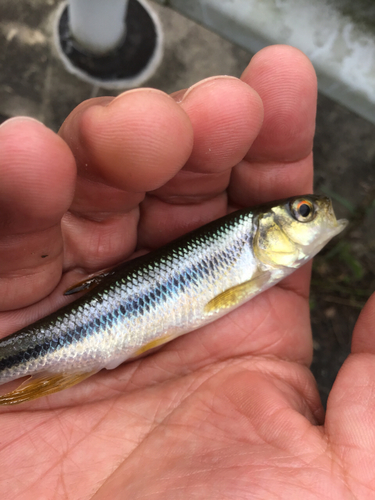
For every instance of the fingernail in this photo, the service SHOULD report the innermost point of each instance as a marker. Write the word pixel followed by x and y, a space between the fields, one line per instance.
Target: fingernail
pixel 148 90
pixel 20 119
pixel 178 95
pixel 206 82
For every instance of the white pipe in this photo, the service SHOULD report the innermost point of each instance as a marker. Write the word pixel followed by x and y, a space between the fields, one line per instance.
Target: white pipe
pixel 97 25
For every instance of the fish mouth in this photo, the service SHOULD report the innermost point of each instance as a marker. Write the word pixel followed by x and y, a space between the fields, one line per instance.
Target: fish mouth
pixel 340 226
pixel 332 229
pixel 336 228
pixel 342 223
pixel 337 225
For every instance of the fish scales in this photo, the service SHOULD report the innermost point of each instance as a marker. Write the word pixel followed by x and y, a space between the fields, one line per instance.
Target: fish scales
pixel 153 299
pixel 147 299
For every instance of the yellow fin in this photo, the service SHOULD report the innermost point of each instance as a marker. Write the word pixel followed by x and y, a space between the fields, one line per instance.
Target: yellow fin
pixel 236 294
pixel 151 345
pixel 42 385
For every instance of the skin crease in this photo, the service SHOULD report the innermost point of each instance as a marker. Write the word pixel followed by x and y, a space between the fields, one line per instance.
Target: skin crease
pixel 230 411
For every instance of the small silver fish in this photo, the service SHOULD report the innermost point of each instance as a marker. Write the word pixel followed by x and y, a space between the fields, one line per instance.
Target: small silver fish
pixel 153 299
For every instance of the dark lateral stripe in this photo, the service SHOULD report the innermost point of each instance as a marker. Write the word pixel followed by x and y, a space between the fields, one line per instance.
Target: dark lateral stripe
pixel 134 306
pixel 47 347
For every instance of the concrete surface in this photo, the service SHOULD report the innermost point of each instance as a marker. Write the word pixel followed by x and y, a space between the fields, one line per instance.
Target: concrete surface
pixel 337 35
pixel 34 82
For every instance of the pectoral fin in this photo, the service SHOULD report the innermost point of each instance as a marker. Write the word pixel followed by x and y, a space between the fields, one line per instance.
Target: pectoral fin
pixel 42 385
pixel 237 294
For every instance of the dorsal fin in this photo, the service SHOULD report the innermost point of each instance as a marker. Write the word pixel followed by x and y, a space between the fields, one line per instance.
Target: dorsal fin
pixel 88 283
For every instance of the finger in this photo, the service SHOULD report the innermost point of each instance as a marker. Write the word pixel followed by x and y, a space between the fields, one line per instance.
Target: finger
pixel 163 222
pixel 134 143
pixel 226 116
pixel 37 173
pixel 279 163
pixel 351 404
pixel 142 127
pixel 286 82
pixel 364 332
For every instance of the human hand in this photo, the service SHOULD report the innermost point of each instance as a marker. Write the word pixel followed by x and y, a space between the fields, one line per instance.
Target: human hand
pixel 230 410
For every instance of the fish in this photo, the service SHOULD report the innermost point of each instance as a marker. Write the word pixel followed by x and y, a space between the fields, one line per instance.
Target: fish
pixel 143 303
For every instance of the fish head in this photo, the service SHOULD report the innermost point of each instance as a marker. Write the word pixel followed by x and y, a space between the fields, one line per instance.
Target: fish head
pixel 292 231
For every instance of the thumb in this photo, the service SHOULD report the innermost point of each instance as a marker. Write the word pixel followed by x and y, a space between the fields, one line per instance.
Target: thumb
pixel 364 331
pixel 350 413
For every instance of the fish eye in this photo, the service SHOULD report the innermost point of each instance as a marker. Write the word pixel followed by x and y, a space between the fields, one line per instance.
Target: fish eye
pixel 303 210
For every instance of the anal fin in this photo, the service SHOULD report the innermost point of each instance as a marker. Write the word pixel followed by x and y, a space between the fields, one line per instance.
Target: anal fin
pixel 42 385
pixel 237 294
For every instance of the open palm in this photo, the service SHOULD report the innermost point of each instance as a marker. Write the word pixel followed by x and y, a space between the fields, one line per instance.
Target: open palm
pixel 230 410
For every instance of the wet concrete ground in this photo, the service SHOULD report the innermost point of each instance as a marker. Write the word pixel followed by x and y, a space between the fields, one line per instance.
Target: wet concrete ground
pixel 34 82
